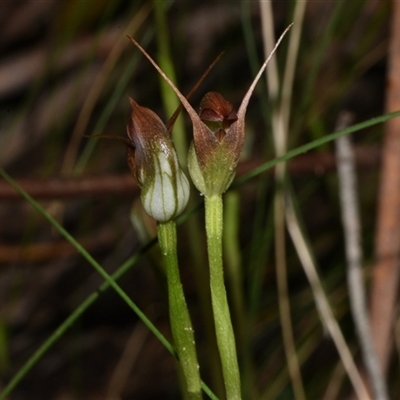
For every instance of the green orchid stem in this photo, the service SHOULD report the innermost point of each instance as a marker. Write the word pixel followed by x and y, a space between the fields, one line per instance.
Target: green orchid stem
pixel 181 326
pixel 222 318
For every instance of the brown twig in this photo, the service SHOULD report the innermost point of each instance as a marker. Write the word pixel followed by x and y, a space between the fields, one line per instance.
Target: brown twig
pixel 39 252
pixel 65 188
pixel 386 271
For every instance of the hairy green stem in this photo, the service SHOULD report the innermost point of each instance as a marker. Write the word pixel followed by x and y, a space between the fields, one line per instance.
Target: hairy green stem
pixel 222 318
pixel 181 326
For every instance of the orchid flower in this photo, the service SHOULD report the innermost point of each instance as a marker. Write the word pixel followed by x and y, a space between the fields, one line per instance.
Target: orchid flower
pixel 213 156
pixel 153 162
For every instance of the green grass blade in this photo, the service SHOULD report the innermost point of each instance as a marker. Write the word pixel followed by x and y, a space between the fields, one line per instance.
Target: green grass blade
pixel 52 339
pixel 87 257
pixel 312 145
pixel 109 281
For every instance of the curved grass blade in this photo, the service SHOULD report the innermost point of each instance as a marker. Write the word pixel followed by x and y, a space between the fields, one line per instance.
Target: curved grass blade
pixel 109 281
pixel 312 145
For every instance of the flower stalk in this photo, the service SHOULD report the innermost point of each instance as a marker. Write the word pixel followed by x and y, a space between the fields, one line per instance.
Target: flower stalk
pixel 222 318
pixel 165 192
pixel 153 162
pixel 165 189
pixel 181 326
pixel 218 137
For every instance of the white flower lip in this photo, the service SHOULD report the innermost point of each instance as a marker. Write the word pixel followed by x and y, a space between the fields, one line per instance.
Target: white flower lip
pixel 153 161
pixel 168 194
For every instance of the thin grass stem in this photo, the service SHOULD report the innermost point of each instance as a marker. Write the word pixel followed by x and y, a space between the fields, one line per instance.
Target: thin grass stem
pixel 355 280
pixel 321 300
pixel 280 127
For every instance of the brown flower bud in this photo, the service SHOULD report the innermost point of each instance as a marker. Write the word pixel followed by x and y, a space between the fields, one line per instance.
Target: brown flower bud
pixel 214 108
pixel 154 163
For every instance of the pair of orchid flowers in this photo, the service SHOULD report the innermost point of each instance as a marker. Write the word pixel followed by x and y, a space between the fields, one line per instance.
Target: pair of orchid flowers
pixel 218 137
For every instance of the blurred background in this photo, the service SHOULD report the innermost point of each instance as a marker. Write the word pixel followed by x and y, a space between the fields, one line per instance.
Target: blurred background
pixel 67 69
